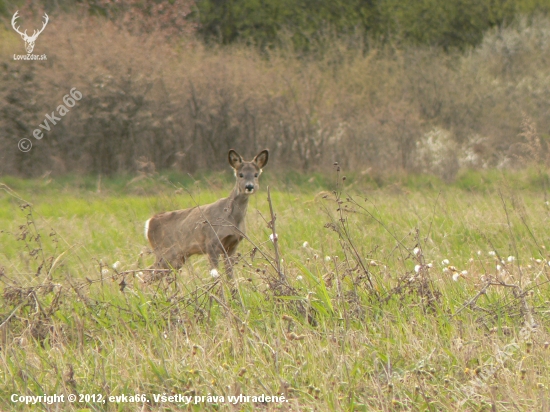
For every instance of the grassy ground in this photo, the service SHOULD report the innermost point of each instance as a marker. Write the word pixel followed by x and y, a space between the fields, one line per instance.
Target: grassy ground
pixel 408 295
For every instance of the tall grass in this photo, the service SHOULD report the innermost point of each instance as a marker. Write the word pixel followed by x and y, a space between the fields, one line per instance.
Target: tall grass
pixel 415 295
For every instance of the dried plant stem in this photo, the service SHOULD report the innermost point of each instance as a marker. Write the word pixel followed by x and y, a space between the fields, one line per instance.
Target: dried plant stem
pixel 282 277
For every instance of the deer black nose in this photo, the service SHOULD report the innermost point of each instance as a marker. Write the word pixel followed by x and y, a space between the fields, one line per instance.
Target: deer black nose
pixel 249 187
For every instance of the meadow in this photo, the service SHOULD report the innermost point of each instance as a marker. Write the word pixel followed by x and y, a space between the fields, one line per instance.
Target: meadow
pixel 402 294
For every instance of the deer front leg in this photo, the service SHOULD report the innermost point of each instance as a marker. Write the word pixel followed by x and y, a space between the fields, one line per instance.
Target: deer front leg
pixel 226 248
pixel 213 252
pixel 229 261
pixel 229 257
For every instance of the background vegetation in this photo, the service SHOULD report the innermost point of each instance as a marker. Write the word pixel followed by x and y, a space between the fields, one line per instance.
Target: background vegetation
pixel 442 86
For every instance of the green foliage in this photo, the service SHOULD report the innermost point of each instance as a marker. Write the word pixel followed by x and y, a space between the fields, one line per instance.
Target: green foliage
pixel 306 23
pixel 4 8
pixel 265 23
pixel 447 24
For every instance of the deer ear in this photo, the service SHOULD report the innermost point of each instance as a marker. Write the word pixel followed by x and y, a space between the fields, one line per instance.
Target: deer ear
pixel 235 159
pixel 261 158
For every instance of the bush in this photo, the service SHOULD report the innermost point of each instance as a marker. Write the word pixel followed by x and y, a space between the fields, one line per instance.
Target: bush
pixel 182 105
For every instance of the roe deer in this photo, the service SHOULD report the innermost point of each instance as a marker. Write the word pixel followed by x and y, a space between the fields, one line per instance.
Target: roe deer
pixel 215 229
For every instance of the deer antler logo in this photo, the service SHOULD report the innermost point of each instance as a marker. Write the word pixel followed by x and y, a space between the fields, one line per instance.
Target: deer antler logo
pixel 29 40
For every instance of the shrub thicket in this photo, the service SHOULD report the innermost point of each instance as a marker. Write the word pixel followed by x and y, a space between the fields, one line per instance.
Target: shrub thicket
pixel 179 103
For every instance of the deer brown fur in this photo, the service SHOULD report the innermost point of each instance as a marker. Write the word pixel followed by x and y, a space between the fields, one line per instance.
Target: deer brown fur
pixel 215 229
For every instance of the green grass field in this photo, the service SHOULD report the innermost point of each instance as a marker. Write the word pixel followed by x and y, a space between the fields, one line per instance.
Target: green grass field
pixel 408 295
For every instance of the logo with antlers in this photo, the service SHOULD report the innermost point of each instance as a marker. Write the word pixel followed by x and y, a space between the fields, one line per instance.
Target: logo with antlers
pixel 29 40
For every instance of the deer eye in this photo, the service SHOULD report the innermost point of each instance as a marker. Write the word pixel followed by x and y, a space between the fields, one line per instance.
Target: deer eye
pixel 255 174
pixel 241 175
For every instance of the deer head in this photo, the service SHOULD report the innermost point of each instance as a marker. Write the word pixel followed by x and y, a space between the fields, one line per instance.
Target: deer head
pixel 29 40
pixel 247 173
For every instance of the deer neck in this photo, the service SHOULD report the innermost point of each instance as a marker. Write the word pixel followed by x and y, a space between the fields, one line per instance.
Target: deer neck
pixel 237 204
